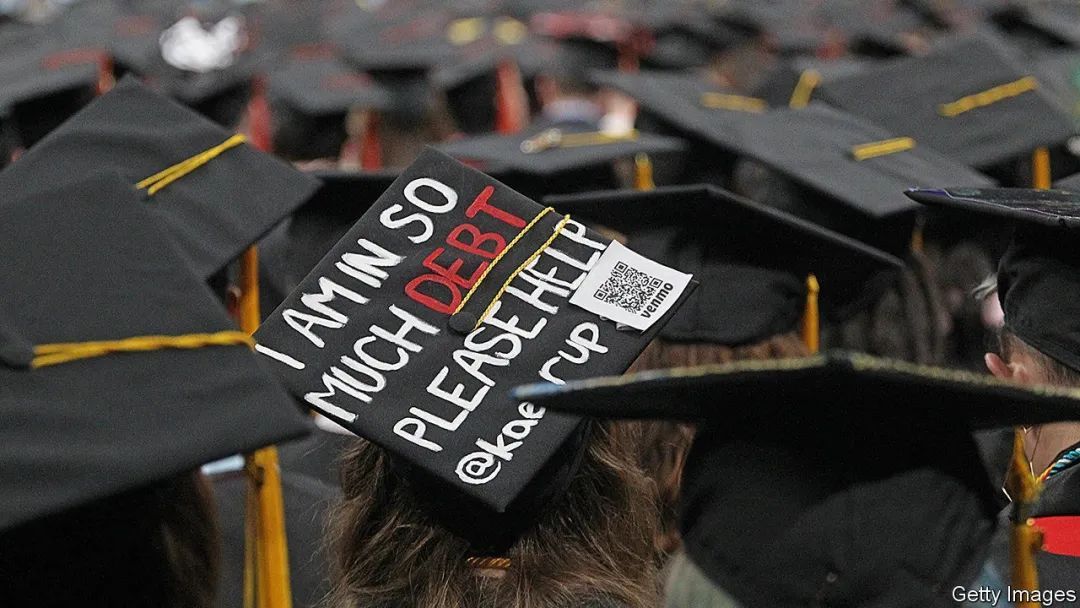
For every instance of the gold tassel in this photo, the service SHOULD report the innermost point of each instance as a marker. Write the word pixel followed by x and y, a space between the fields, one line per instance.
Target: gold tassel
pixel 1040 169
pixel 267 508
pixel 643 172
pixel 1026 539
pixel 811 329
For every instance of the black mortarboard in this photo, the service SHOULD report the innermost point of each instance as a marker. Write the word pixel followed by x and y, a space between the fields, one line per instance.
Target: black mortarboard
pixel 751 261
pixel 313 230
pixel 46 83
pixel 1039 275
pixel 840 478
pixel 449 287
pixel 213 212
pixel 85 262
pixel 311 99
pixel 793 82
pixel 873 27
pixel 683 37
pixel 206 66
pixel 968 99
pixel 558 160
pixel 858 170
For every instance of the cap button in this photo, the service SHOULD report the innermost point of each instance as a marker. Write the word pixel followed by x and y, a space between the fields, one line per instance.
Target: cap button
pixel 463 322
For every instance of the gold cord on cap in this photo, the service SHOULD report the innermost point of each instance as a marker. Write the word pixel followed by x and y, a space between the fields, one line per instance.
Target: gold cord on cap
pixel 161 179
pixel 55 354
pixel 737 103
pixel 1040 169
pixel 1026 539
pixel 800 95
pixel 556 138
pixel 811 329
pixel 989 96
pixel 884 147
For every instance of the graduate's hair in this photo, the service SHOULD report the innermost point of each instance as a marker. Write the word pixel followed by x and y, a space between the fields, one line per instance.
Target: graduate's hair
pixel 667 443
pixel 592 547
pixel 908 322
pixel 155 546
pixel 1010 345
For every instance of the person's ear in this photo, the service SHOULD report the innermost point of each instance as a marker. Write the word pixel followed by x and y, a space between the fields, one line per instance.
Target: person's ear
pixel 997 366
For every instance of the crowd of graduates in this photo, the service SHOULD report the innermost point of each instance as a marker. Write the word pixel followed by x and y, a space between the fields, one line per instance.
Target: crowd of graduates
pixel 539 303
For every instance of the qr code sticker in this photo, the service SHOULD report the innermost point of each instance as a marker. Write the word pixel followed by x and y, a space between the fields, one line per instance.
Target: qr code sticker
pixel 628 288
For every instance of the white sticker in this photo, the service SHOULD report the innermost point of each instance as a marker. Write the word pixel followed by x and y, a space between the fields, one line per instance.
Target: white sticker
pixel 630 289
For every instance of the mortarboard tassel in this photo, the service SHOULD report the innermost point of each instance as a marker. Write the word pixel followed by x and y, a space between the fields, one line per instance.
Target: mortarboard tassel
pixel 1040 169
pixel 267 552
pixel 371 144
pixel 259 117
pixel 804 89
pixel 1026 539
pixel 643 172
pixel 811 329
pixel 511 106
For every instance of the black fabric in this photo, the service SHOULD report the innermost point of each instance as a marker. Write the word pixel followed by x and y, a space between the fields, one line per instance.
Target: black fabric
pixel 982 136
pixel 838 479
pixel 751 261
pixel 87 262
pixel 212 213
pixel 373 402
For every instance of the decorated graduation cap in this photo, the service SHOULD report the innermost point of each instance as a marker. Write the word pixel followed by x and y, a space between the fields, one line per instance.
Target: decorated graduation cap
pixel 855 173
pixel 311 99
pixel 451 289
pixel 752 262
pixel 569 158
pixel 215 193
pixel 838 478
pixel 969 99
pixel 1039 276
pixel 118 365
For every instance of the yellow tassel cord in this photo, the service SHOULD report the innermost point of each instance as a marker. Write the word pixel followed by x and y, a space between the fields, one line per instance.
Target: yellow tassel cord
pixel 804 89
pixel 643 173
pixel 736 103
pixel 55 354
pixel 811 329
pixel 1026 539
pixel 267 553
pixel 555 138
pixel 161 179
pixel 1040 169
pixel 884 147
pixel 499 257
pixel 989 96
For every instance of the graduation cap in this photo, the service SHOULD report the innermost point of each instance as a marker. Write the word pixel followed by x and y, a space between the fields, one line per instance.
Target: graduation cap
pixel 875 28
pixel 968 99
pixel 313 230
pixel 311 99
pixel 216 194
pixel 838 478
pixel 569 158
pixel 1039 275
pixel 792 83
pixel 48 82
pixel 751 261
pixel 209 67
pixel 119 367
pixel 856 172
pixel 449 287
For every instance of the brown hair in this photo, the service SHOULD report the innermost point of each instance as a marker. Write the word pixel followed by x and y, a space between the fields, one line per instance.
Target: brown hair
pixel 155 546
pixel 666 443
pixel 592 547
pixel 1058 374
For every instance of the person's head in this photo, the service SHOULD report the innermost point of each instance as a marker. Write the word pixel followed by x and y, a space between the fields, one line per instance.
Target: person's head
pixel 1018 361
pixel 666 443
pixel 591 545
pixel 154 546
